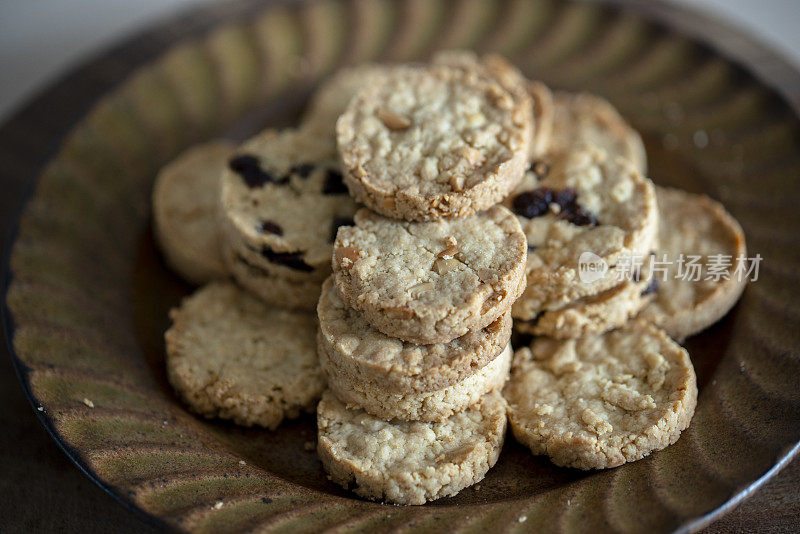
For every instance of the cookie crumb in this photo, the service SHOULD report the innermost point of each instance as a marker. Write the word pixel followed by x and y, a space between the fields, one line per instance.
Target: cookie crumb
pixel 40 408
pixel 242 462
pixel 217 506
pixel 88 403
pixel 523 518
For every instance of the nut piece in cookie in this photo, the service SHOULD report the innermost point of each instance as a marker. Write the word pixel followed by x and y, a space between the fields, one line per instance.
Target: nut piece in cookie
pixel 185 198
pixel 582 118
pixel 700 230
pixel 600 401
pixel 231 356
pixel 582 203
pixel 430 282
pixel 282 201
pixel 406 462
pixel 426 142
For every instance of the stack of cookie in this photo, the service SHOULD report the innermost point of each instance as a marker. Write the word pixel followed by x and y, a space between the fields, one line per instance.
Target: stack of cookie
pixel 418 209
pixel 416 320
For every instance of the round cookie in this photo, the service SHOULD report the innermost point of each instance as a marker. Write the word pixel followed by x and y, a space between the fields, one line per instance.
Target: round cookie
pixel 405 462
pixel 231 356
pixel 600 401
pixel 430 282
pixel 267 286
pixel 584 204
pixel 432 142
pixel 184 211
pixel 584 118
pixel 597 313
pixel 282 199
pixel 410 405
pixel 331 99
pixel 359 350
pixel 695 225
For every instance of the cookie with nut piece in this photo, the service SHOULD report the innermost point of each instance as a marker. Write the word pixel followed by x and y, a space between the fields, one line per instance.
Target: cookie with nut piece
pixel 430 282
pixel 427 142
pixel 602 400
pixel 409 462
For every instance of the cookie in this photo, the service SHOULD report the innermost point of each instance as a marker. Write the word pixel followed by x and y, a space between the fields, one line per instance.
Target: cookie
pixel 282 199
pixel 359 350
pixel 428 142
pixel 406 462
pixel 430 282
pixel 594 314
pixel 600 401
pixel 184 211
pixel 585 204
pixel 231 356
pixel 410 405
pixel 269 287
pixel 331 99
pixel 695 225
pixel 582 118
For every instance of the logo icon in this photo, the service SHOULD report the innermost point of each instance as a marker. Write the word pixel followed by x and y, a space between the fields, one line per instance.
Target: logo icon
pixel 591 267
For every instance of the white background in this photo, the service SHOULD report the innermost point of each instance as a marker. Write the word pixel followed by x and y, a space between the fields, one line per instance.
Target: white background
pixel 39 39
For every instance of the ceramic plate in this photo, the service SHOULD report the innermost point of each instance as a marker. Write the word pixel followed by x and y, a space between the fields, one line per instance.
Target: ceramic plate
pixel 88 294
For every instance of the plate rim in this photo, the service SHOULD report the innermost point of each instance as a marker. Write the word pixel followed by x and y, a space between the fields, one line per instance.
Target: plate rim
pixel 139 47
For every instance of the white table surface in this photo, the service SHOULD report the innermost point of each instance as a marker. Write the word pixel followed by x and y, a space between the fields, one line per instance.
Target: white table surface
pixel 40 39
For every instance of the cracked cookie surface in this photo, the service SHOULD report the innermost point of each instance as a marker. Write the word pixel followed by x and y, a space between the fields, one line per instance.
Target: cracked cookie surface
pixel 699 229
pixel 583 202
pixel 185 198
pixel 282 200
pixel 231 356
pixel 600 401
pixel 406 462
pixel 435 141
pixel 359 350
pixel 430 282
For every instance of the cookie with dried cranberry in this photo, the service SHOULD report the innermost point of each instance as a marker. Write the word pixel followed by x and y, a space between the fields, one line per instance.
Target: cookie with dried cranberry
pixel 583 118
pixel 585 205
pixel 704 234
pixel 427 142
pixel 282 200
pixel 430 282
pixel 184 211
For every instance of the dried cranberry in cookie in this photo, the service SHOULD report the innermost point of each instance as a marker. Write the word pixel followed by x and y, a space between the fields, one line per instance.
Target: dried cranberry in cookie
pixel 280 198
pixel 581 202
pixel 426 142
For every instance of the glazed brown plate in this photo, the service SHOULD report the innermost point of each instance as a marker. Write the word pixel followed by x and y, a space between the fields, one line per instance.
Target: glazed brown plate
pixel 87 293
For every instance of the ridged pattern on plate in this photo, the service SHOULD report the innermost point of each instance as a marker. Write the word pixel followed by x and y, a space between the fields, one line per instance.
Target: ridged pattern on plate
pixel 89 294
